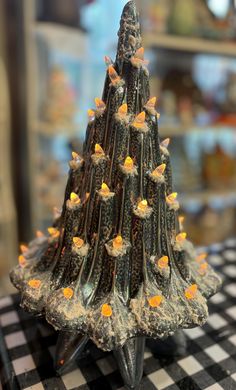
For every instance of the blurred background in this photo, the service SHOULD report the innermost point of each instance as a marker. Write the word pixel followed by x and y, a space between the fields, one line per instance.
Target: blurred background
pixel 52 68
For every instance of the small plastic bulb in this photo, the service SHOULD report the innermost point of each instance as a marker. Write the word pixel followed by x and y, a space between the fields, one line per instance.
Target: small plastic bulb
pixel 117 242
pixel 99 150
pixel 106 310
pixel 155 301
pixel 78 242
pixel 143 205
pixel 129 164
pixel 191 291
pixel 74 198
pixel 104 190
pixel 163 262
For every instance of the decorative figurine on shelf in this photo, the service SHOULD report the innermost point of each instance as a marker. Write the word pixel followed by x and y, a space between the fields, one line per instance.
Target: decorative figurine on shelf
pixel 116 267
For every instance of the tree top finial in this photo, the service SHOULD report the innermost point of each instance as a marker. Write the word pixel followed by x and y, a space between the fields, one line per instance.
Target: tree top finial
pixel 129 33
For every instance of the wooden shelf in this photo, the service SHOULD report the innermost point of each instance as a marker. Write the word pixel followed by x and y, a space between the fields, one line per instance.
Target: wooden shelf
pixel 174 131
pixel 195 45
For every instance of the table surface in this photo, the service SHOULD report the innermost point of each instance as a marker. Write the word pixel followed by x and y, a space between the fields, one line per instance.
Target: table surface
pixel 27 346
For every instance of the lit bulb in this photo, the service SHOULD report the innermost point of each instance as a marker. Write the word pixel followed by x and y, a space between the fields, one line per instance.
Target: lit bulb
pixel 100 105
pixel 171 198
pixel 158 172
pixel 117 242
pixel 191 291
pixel 34 283
pixel 181 219
pixel 74 198
pixel 123 110
pixel 22 260
pixel 106 310
pixel 151 102
pixel 113 74
pixel 181 237
pixel 53 232
pixel 91 115
pixel 143 205
pixel 139 121
pixel 129 164
pixel 99 150
pixel 68 293
pixel 163 262
pixel 75 155
pixel 105 191
pixel 78 242
pixel 155 301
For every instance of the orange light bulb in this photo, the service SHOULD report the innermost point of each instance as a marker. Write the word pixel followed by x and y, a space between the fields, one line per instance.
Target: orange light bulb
pixel 34 283
pixel 53 232
pixel 113 74
pixel 158 172
pixel 104 190
pixel 22 260
pixel 139 120
pixel 106 310
pixel 171 198
pixel 117 242
pixel 155 301
pixel 163 262
pixel 68 293
pixel 100 105
pixel 181 237
pixel 191 291
pixel 129 164
pixel 99 150
pixel 143 205
pixel 123 109
pixel 91 114
pixel 75 155
pixel 151 102
pixel 74 198
pixel 78 242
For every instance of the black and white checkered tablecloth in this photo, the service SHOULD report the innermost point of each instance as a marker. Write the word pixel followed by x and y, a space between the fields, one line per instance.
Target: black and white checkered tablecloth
pixel 27 346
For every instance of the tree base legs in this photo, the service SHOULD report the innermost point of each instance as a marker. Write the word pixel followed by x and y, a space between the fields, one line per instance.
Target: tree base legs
pixel 129 358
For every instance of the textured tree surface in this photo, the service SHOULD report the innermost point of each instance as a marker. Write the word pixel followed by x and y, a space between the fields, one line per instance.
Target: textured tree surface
pixel 116 263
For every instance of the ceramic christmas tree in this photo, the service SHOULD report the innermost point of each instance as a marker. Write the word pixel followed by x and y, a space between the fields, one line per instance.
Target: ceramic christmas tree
pixel 117 267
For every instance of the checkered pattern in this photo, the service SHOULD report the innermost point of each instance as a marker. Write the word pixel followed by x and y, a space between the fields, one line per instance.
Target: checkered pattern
pixel 27 346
